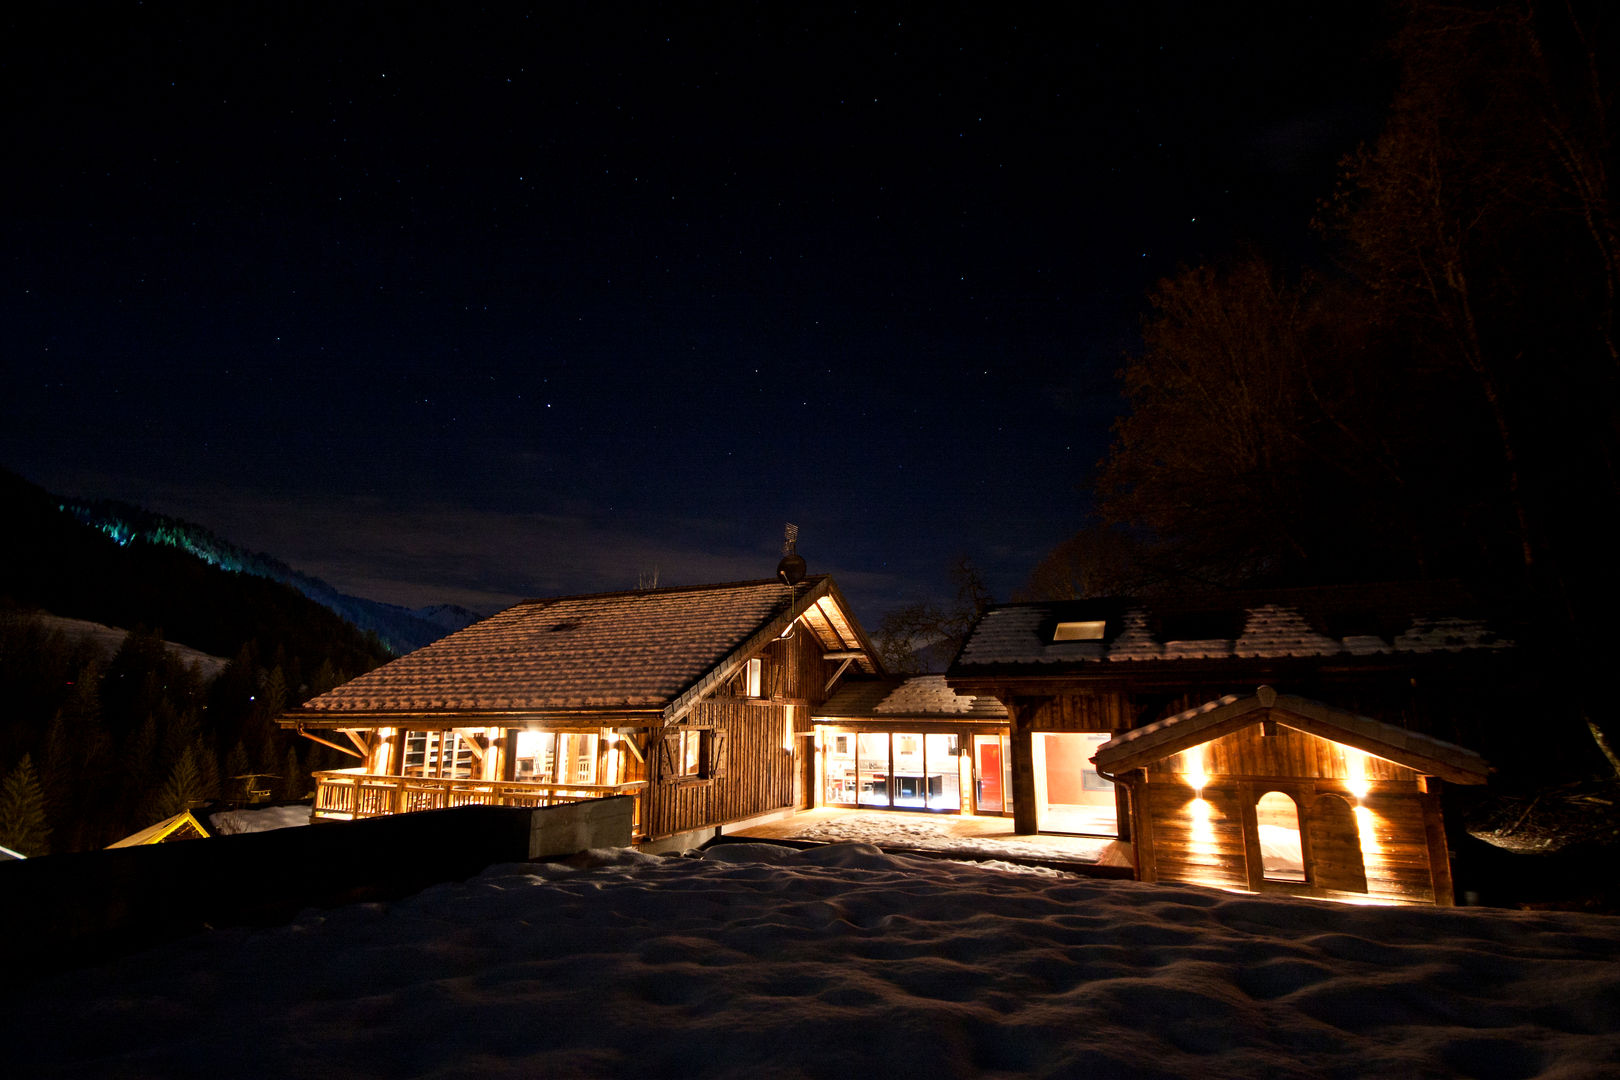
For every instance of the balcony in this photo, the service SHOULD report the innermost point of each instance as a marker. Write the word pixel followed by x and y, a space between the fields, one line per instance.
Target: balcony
pixel 351 794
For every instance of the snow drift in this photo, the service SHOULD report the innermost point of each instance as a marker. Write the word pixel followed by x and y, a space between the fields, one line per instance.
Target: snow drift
pixel 841 962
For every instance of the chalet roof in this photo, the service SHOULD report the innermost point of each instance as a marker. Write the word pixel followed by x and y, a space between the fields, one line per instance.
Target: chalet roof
pixel 1279 624
pixel 920 697
pixel 182 826
pixel 654 650
pixel 1153 742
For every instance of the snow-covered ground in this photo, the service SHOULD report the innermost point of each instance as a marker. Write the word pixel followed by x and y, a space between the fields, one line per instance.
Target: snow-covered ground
pixel 889 829
pixel 263 819
pixel 840 962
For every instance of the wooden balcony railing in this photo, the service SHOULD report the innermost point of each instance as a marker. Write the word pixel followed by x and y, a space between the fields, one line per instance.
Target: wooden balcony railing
pixel 345 795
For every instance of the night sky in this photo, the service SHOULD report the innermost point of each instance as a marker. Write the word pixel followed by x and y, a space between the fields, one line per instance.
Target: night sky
pixel 484 304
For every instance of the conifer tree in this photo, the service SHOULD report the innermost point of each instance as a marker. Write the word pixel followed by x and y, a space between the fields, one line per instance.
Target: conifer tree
pixel 296 782
pixel 23 824
pixel 182 790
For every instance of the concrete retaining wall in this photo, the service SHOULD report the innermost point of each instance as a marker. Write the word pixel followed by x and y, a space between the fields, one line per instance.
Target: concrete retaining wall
pixel 61 910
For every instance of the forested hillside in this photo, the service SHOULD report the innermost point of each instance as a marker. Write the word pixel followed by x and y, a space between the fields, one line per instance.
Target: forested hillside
pixel 400 629
pixel 93 748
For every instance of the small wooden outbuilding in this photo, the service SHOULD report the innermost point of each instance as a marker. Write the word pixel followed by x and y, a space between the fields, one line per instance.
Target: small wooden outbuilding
pixel 1277 793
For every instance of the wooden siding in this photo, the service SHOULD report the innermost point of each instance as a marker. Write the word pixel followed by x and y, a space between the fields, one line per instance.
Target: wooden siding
pixel 1077 712
pixel 758 776
pixel 1398 859
pixel 1388 852
pixel 1196 844
pixel 1289 753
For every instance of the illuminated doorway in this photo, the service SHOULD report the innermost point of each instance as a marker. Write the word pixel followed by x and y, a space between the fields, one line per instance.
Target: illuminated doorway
pixel 992 767
pixel 1070 795
pixel 1281 855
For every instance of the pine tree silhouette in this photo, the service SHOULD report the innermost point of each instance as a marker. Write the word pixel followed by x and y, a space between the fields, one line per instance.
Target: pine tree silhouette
pixel 23 826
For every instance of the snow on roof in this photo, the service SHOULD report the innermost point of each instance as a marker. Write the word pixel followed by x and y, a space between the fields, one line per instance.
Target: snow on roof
pixel 1022 634
pixel 1424 753
pixel 918 696
pixel 633 650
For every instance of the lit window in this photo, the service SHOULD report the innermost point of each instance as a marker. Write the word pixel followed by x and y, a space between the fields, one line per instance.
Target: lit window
pixel 754 678
pixel 1079 631
pixel 694 754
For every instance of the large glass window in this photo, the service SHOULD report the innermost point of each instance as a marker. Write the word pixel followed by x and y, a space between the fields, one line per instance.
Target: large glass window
pixel 1070 795
pixel 944 772
pixel 905 770
pixel 536 756
pixel 872 752
pixel 549 757
pixel 839 771
pixel 443 754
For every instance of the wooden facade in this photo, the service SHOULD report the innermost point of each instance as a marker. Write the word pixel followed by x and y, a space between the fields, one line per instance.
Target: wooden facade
pixel 728 741
pixel 910 744
pixel 1421 658
pixel 1273 793
pixel 763 752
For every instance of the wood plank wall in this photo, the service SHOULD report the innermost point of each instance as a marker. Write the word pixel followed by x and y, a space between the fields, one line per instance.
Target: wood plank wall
pixel 1077 712
pixel 759 775
pixel 1397 859
pixel 1289 753
pixel 1185 851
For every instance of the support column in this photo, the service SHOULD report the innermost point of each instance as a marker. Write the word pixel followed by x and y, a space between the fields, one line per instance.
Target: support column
pixel 1023 768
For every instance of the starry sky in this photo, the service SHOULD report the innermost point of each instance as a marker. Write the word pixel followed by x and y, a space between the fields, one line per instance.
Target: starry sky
pixel 446 304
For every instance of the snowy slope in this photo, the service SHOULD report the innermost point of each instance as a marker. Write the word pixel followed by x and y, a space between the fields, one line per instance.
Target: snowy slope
pixel 841 962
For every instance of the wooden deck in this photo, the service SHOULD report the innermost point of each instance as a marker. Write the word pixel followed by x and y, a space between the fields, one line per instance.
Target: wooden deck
pixel 349 794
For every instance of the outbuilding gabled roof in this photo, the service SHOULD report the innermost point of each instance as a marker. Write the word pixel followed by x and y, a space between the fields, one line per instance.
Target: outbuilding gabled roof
pixel 647 651
pixel 1141 746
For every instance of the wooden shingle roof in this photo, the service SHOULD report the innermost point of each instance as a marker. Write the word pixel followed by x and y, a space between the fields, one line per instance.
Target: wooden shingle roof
pixel 919 697
pixel 647 651
pixel 1271 625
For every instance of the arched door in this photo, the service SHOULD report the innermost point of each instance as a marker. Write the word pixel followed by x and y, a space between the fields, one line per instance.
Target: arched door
pixel 1336 845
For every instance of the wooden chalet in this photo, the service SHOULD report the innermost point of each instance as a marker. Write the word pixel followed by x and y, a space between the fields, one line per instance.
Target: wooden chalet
pixel 1076 675
pixel 911 744
pixel 696 701
pixel 1276 793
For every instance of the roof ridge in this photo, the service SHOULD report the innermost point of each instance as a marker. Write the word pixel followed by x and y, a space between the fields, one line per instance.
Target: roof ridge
pixel 668 589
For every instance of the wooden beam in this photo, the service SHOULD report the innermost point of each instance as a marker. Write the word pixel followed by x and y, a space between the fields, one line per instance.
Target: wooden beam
pixel 362 745
pixel 471 740
pixel 1434 835
pixel 1253 856
pixel 848 660
pixel 333 745
pixel 635 749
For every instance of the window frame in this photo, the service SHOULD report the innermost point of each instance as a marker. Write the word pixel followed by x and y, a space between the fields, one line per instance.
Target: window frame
pixel 693 755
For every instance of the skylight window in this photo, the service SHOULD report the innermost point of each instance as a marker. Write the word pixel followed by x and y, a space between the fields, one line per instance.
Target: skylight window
pixel 1079 631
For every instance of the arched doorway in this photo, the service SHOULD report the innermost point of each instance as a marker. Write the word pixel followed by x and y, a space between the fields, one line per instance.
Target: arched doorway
pixel 1281 848
pixel 1336 845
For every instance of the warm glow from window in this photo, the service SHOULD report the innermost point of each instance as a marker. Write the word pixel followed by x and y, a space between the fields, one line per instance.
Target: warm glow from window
pixel 1355 763
pixel 1192 764
pixel 1203 828
pixel 1368 833
pixel 1079 631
